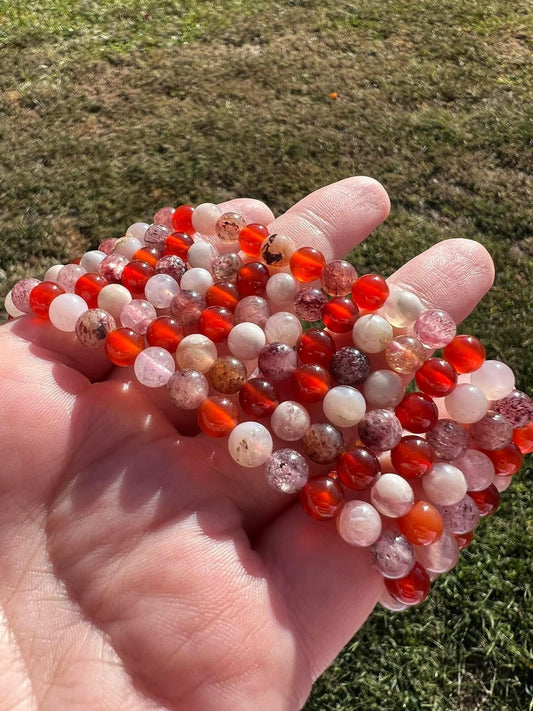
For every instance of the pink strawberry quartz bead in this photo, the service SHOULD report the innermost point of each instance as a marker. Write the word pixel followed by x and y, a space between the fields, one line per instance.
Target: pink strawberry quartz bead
pixel 277 361
pixel 187 388
pixel 154 366
pixel 393 555
pixel 252 309
pixel 494 431
pixel 380 430
pixel 435 328
pixel 187 306
pixel 164 216
pixel 444 484
pixel 286 471
pixel 358 523
pixel 477 468
pixel 69 275
pixel 517 407
pixel 20 294
pixel 392 496
pixel 460 518
pixel 337 277
pixel 494 378
pixel 449 439
pixel 65 310
pixel 111 268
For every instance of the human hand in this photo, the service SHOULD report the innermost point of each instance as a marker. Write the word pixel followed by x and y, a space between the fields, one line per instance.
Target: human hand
pixel 142 569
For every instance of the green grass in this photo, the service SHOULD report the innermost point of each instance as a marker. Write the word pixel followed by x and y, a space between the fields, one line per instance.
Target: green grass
pixel 108 111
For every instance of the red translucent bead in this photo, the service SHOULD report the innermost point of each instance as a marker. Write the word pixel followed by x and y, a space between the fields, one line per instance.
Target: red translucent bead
pixel 464 539
pixel 42 295
pixel 412 457
pixel 251 238
pixel 216 322
pixel 340 314
pixel 487 500
pixel 307 264
pixel 217 416
pixel 123 345
pixel 76 261
pixel 417 412
pixel 310 383
pixel 222 293
pixel 370 291
pixel 322 497
pixel 178 244
pixel 358 468
pixel 422 524
pixel 182 220
pixel 150 255
pixel 507 460
pixel 465 353
pixel 88 287
pixel 251 279
pixel 135 275
pixel 522 437
pixel 165 332
pixel 436 377
pixel 258 398
pixel 315 347
pixel 411 589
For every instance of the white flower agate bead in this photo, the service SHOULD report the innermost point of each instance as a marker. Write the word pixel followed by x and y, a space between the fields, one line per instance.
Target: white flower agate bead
pixel 112 298
pixel 250 444
pixel 201 255
pixel 246 340
pixel 90 260
pixel 52 273
pixel 344 406
pixel 196 279
pixel 392 496
pixel 494 378
pixel 10 306
pixel 281 288
pixel 160 289
pixel 466 404
pixel 137 230
pixel 154 366
pixel 65 310
pixel 359 524
pixel 383 389
pixel 371 333
pixel 402 308
pixel 444 484
pixel 196 352
pixel 283 327
pixel 290 421
pixel 127 246
pixel 204 218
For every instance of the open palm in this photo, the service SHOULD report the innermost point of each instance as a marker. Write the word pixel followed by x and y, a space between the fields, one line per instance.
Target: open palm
pixel 141 568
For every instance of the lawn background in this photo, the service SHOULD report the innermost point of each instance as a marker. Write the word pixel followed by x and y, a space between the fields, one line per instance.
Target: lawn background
pixel 110 110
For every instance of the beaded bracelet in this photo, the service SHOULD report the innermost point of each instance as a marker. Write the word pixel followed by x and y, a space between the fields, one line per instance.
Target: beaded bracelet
pixel 252 332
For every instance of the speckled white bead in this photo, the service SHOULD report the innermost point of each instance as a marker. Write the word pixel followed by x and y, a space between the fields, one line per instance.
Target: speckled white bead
pixel 154 366
pixel 52 272
pixel 10 306
pixel 371 333
pixel 283 327
pixel 90 260
pixel 477 468
pixel 281 288
pixel 204 218
pixel 392 495
pixel 127 246
pixel 290 421
pixel 65 310
pixel 137 230
pixel 344 406
pixel 196 279
pixel 201 254
pixel 444 484
pixel 250 444
pixel 196 352
pixel 160 289
pixel 439 557
pixel 466 404
pixel 358 523
pixel 402 308
pixel 494 378
pixel 112 298
pixel 246 340
pixel 383 389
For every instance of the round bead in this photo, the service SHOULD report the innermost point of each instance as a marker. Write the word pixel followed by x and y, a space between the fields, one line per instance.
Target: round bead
pixel 310 383
pixel 380 430
pixel 389 603
pixel 135 275
pixel 460 518
pixel 281 288
pixel 187 389
pixel 205 217
pixel 154 366
pixel 436 377
pixel 164 216
pixel 383 389
pixel 88 287
pixel 228 226
pixel 277 361
pixel 370 292
pixel 412 457
pixel 123 346
pixel 246 340
pixel 466 404
pixel 392 495
pixel 307 263
pixel 286 471
pixel 216 323
pixel 502 483
pixel 51 274
pixel 182 219
pixel 487 500
pixel 349 366
pixel 137 314
pixel 126 246
pixel 339 314
pixel 187 306
pixel 172 265
pixel 315 346
pixel 200 256
pixel 371 333
pixel 449 439
pixel 463 540
pixel 196 352
pixel 465 353
pixel 277 250
pixel 422 524
pixel 165 332
pixel 290 421
pixel 308 304
pixel 405 354
pixel 20 294
pixel 111 268
pixel 337 277
pixel 477 469
pixel 412 589
pixel 150 255
pixel 358 468
pixel 250 444
pixel 251 237
pixel 69 275
pixel 494 378
pixel 523 438
pixel 93 327
pixel 359 524
pixel 321 498
pixel 42 295
pixel 226 266
pixel 392 555
pixel 323 443
pixel 217 416
pixel 444 484
pixel 178 244
pixel 252 279
pixel 439 557
pixel 258 398
pixel 402 308
pixel 435 328
pixel 65 310
pixel 137 230
pixel 417 412
pixel 227 375
pixel 253 309
pixel 197 279
pixel 517 407
pixel 222 293
pixel 283 327
pixel 493 431
pixel 507 460
pixel 344 406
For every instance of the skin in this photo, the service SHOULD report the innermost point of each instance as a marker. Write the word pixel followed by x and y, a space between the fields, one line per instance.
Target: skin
pixel 141 568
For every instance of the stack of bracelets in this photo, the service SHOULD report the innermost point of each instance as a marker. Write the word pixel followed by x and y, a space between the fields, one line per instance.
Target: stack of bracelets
pixel 253 334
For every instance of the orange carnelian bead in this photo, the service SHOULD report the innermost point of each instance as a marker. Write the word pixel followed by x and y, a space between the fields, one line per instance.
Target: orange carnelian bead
pixel 310 383
pixel 150 255
pixel 178 243
pixel 135 275
pixel 307 264
pixel 123 345
pixel 222 293
pixel 315 347
pixel 251 238
pixel 370 291
pixel 165 332
pixel 215 323
pixel 251 279
pixel 413 588
pixel 522 437
pixel 182 219
pixel 422 524
pixel 465 353
pixel 322 497
pixel 486 500
pixel 217 416
pixel 258 398
pixel 88 287
pixel 507 460
pixel 340 314
pixel 42 295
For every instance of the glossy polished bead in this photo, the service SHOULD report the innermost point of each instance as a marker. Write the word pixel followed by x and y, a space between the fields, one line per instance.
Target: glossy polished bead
pixel 154 366
pixel 182 219
pixel 123 346
pixel 487 500
pixel 165 332
pixel 337 277
pixel 402 308
pixel 172 265
pixel 111 268
pixel 465 353
pixel 106 245
pixel 466 404
pixel 196 352
pixel 204 218
pixel 502 483
pixel 252 279
pixel 417 412
pixel 339 314
pixel 321 498
pixel 215 323
pixel 228 226
pixel 112 298
pixel 383 389
pixel 349 366
pixel 65 310
pixel 52 272
pixel 507 460
pixel 517 407
pixel 227 375
pixel 389 603
pixel 344 406
pixel 463 540
pixel 68 276
pixel 309 303
pixel 310 383
pixel 217 416
pixel 283 327
pixel 358 468
pixel 315 346
pixel 444 484
pixel 93 327
pixel 392 496
pixel 290 421
pixel 226 266
pixel 436 377
pixel 412 457
pixel 187 389
pixel 380 430
pixel 371 333
pixel 281 288
pixel 392 555
pixel 155 236
pixel 187 306
pixel 250 444
pixel 412 589
pixel 323 443
pixel 523 438
pixel 435 328
pixel 201 255
pixel 91 259
pixel 477 469
pixel 494 378
pixel 251 238
pixel 197 279
pixel 42 295
pixel 178 243
pixel 449 439
pixel 359 524
pixel 460 518
pixel 135 275
pixel 150 255
pixel 439 557
pixel 370 292
pixel 493 431
pixel 422 524
pixel 405 354
pixel 246 340
pixel 286 471
pixel 277 250
pixel 277 361
pixel 258 398
pixel 222 293
pixel 137 230
pixel 164 216
pixel 127 246
pixel 307 263
pixel 137 314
